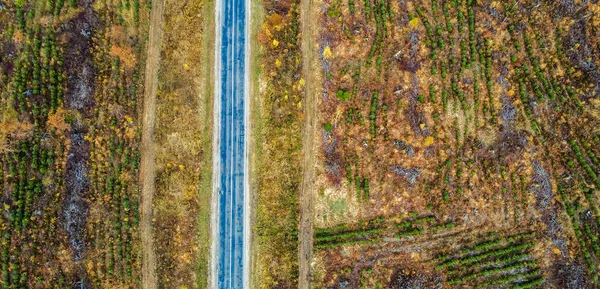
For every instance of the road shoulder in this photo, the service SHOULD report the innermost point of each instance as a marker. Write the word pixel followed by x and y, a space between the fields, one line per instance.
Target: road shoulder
pixel 255 129
pixel 216 165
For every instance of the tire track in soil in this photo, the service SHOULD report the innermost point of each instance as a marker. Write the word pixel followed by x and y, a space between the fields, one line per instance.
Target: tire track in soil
pixel 147 168
pixel 310 70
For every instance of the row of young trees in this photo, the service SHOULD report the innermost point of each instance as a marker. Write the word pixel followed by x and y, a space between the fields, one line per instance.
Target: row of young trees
pixel 590 247
pixel 381 11
pixel 115 157
pixel 472 57
pixel 31 171
pixel 488 260
pixel 38 83
pixel 373 231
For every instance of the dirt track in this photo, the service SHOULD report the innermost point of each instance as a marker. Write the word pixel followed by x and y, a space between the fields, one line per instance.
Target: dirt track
pixel 147 173
pixel 311 74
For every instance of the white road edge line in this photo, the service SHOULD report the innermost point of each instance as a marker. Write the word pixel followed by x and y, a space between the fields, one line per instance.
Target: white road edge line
pixel 247 131
pixel 232 149
pixel 212 274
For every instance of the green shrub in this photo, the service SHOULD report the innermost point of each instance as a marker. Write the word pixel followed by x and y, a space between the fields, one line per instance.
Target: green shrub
pixel 351 6
pixel 414 232
pixel 373 113
pixel 446 196
pixel 343 95
pixel 432 93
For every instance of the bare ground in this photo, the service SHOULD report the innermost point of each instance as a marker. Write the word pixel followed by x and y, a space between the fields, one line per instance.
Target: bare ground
pixel 147 169
pixel 311 73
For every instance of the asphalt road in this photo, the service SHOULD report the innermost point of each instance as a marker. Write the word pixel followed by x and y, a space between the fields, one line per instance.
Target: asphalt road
pixel 230 128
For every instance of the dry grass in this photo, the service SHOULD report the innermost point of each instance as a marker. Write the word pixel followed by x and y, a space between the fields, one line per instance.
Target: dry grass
pixel 183 142
pixel 277 118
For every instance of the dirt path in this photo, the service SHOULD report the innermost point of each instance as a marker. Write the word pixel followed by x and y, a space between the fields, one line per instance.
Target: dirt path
pixel 147 173
pixel 311 74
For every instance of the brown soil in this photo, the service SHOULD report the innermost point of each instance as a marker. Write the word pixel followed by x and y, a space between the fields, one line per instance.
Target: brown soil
pixel 147 173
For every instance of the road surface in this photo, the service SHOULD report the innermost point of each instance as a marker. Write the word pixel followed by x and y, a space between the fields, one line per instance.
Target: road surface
pixel 231 223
